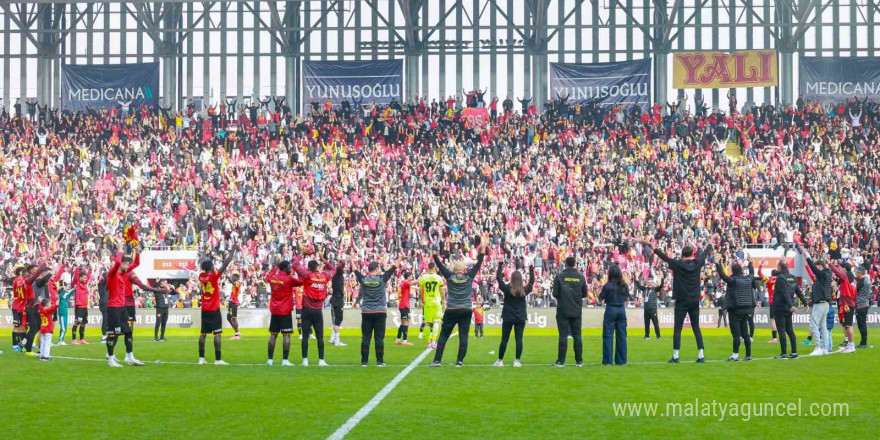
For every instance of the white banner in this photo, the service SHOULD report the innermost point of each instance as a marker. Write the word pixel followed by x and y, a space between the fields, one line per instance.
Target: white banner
pixel 172 264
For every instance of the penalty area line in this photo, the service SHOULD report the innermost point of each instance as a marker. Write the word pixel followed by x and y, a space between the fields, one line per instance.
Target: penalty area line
pixel 377 399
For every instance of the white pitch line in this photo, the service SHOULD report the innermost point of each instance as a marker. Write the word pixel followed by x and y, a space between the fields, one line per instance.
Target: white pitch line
pixel 71 358
pixel 586 364
pixel 161 362
pixel 377 399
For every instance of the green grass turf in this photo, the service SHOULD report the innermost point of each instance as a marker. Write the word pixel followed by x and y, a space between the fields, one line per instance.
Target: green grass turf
pixel 69 398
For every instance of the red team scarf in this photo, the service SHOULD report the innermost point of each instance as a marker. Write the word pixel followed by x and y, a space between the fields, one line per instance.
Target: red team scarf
pixel 130 235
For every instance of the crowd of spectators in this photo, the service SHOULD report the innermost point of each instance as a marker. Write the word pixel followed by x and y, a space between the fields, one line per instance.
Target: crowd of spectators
pixel 378 183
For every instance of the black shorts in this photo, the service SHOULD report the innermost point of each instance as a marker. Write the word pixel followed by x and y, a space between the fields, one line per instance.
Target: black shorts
pixel 16 318
pixel 336 313
pixel 232 311
pixel 847 320
pixel 81 315
pixel 132 315
pixel 281 324
pixel 117 321
pixel 299 313
pixel 404 313
pixel 212 322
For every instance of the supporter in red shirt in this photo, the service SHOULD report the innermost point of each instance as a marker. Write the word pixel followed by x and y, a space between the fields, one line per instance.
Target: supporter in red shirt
pixel 479 314
pixel 47 326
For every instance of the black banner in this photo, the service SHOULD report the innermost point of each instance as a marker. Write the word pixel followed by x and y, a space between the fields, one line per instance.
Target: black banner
pixel 355 81
pixel 625 82
pixel 836 79
pixel 109 85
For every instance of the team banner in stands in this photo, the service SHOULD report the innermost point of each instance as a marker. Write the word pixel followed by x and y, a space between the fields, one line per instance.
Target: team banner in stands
pixel 722 70
pixel 109 85
pixel 836 79
pixel 355 81
pixel 625 82
pixel 476 116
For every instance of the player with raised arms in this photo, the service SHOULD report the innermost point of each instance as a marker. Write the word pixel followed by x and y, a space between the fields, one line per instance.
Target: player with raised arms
pixel 212 321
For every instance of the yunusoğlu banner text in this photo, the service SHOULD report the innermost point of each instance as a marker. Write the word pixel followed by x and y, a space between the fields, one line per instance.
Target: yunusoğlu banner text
pixel 625 82
pixel 354 81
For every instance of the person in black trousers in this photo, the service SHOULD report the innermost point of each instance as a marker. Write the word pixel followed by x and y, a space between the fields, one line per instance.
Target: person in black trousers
pixel 863 302
pixel 373 301
pixel 513 315
pixel 651 294
pixel 40 291
pixel 740 301
pixel 569 289
pixel 614 294
pixel 459 305
pixel 686 290
pixel 102 304
pixel 163 302
pixel 783 307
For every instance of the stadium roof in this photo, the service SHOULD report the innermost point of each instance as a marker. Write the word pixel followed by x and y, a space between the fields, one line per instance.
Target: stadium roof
pixel 247 48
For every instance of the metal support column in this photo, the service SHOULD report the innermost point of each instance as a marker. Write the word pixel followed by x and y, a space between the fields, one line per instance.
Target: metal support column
pixel 538 48
pixel 661 78
pixel 45 53
pixel 661 53
pixel 413 49
pixel 168 53
pixel 786 48
pixel 291 53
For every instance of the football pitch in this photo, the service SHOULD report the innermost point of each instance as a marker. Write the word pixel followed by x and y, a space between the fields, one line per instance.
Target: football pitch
pixel 77 396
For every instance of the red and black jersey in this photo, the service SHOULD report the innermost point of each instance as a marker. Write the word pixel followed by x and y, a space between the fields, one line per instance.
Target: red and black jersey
pixel 315 285
pixel 129 275
pixel 210 288
pixel 19 294
pixel 81 291
pixel 404 295
pixel 52 286
pixel 47 325
pixel 281 286
pixel 236 292
pixel 116 284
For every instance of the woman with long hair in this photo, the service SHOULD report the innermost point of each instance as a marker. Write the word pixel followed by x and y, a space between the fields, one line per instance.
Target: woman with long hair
pixel 614 294
pixel 513 314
